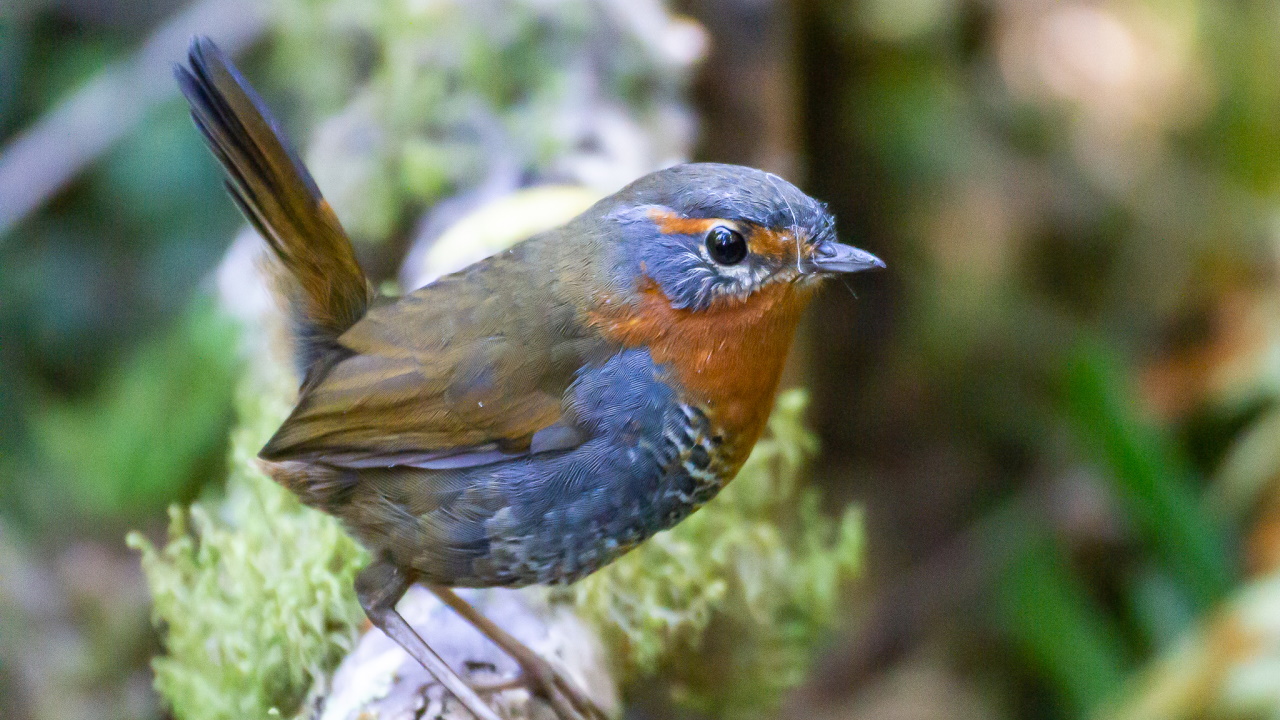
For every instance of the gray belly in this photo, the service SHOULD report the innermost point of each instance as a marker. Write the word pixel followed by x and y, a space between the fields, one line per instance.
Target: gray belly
pixel 541 520
pixel 556 516
pixel 574 538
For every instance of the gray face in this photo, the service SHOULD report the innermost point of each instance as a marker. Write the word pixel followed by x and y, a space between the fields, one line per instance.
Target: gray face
pixel 708 231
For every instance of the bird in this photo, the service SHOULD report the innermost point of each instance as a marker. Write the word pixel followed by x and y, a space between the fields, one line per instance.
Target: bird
pixel 534 416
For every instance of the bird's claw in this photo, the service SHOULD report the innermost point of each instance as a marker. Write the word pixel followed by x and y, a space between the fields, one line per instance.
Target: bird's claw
pixel 546 682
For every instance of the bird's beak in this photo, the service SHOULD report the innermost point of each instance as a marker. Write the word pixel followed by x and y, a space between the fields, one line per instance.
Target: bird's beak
pixel 833 257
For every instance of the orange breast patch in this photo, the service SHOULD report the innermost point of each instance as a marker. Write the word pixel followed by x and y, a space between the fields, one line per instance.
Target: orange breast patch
pixel 729 356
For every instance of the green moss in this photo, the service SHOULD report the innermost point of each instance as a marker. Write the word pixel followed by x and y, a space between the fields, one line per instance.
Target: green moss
pixel 253 592
pixel 761 564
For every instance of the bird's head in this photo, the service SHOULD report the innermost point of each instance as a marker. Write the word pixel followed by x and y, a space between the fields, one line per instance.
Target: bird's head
pixel 708 233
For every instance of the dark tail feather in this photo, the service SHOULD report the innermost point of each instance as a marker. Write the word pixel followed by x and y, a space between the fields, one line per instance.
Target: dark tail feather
pixel 317 273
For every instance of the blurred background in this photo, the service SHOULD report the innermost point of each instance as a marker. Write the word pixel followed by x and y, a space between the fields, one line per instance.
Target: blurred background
pixel 1058 407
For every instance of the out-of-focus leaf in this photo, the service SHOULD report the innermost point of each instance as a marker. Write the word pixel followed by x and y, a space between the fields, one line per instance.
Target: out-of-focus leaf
pixel 1159 606
pixel 1226 667
pixel 1152 480
pixel 1052 618
pixel 135 446
pixel 1250 467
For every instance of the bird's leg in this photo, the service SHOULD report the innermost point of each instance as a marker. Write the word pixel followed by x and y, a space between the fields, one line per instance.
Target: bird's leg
pixel 379 587
pixel 539 675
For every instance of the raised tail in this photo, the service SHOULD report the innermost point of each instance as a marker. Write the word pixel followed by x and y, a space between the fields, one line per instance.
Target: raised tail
pixel 317 274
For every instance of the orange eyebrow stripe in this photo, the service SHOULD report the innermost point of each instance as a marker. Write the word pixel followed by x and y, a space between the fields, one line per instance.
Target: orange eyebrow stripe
pixel 671 224
pixel 771 243
pixel 761 240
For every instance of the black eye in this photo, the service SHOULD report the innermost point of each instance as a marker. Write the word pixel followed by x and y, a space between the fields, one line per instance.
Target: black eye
pixel 726 246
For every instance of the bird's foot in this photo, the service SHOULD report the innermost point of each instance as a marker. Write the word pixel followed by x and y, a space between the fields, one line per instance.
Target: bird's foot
pixel 543 680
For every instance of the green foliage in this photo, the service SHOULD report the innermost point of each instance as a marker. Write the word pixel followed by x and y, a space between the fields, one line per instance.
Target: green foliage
pixel 142 438
pixel 1047 609
pixel 253 592
pixel 1083 649
pixel 761 564
pixel 1149 475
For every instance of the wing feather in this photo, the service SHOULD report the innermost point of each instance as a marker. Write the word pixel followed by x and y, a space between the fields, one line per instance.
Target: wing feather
pixel 461 372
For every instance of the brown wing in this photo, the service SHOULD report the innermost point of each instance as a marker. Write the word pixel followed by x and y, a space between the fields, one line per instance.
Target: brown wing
pixel 468 370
